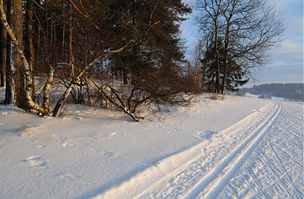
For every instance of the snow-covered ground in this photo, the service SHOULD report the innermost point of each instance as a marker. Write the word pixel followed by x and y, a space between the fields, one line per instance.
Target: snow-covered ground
pixel 274 169
pixel 184 152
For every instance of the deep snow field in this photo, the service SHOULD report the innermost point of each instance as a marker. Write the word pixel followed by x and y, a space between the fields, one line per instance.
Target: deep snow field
pixel 241 147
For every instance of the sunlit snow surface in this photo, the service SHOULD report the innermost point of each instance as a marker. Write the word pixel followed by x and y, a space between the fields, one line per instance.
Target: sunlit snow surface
pixel 275 169
pixel 90 151
pixel 258 157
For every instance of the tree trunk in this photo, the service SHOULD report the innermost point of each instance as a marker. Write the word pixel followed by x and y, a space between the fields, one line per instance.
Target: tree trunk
pixel 227 40
pixel 71 55
pixel 217 84
pixel 26 93
pixel 20 78
pixel 2 55
pixel 10 68
pixel 29 45
pixel 46 91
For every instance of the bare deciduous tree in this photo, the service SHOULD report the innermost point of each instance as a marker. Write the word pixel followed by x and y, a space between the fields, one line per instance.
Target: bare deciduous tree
pixel 246 29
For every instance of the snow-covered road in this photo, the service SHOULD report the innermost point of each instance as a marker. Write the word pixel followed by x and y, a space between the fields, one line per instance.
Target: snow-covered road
pixel 234 163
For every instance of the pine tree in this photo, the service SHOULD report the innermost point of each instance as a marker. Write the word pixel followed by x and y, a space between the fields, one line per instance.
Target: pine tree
pixel 235 74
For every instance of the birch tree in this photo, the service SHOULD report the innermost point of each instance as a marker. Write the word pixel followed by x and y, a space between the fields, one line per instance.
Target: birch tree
pixel 25 90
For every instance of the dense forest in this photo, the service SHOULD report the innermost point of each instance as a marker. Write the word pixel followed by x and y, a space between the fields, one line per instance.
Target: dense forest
pixel 126 54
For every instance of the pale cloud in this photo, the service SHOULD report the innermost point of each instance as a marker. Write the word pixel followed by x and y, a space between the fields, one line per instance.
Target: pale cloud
pixel 277 4
pixel 289 47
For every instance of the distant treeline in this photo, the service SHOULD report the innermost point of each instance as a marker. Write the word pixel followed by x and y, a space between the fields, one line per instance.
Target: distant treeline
pixel 291 91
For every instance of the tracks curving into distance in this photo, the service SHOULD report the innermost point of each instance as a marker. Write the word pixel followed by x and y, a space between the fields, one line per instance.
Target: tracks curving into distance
pixel 216 180
pixel 190 174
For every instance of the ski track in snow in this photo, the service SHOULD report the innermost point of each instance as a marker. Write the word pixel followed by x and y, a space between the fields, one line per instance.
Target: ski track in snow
pixel 259 157
pixel 174 176
pixel 275 168
pixel 206 170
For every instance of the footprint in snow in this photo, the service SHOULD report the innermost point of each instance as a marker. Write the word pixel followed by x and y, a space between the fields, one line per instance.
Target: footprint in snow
pixel 109 154
pixel 40 146
pixel 67 144
pixel 113 134
pixel 206 135
pixel 66 176
pixel 36 162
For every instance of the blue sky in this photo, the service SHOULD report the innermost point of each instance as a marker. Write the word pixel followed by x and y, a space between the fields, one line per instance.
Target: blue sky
pixel 285 61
